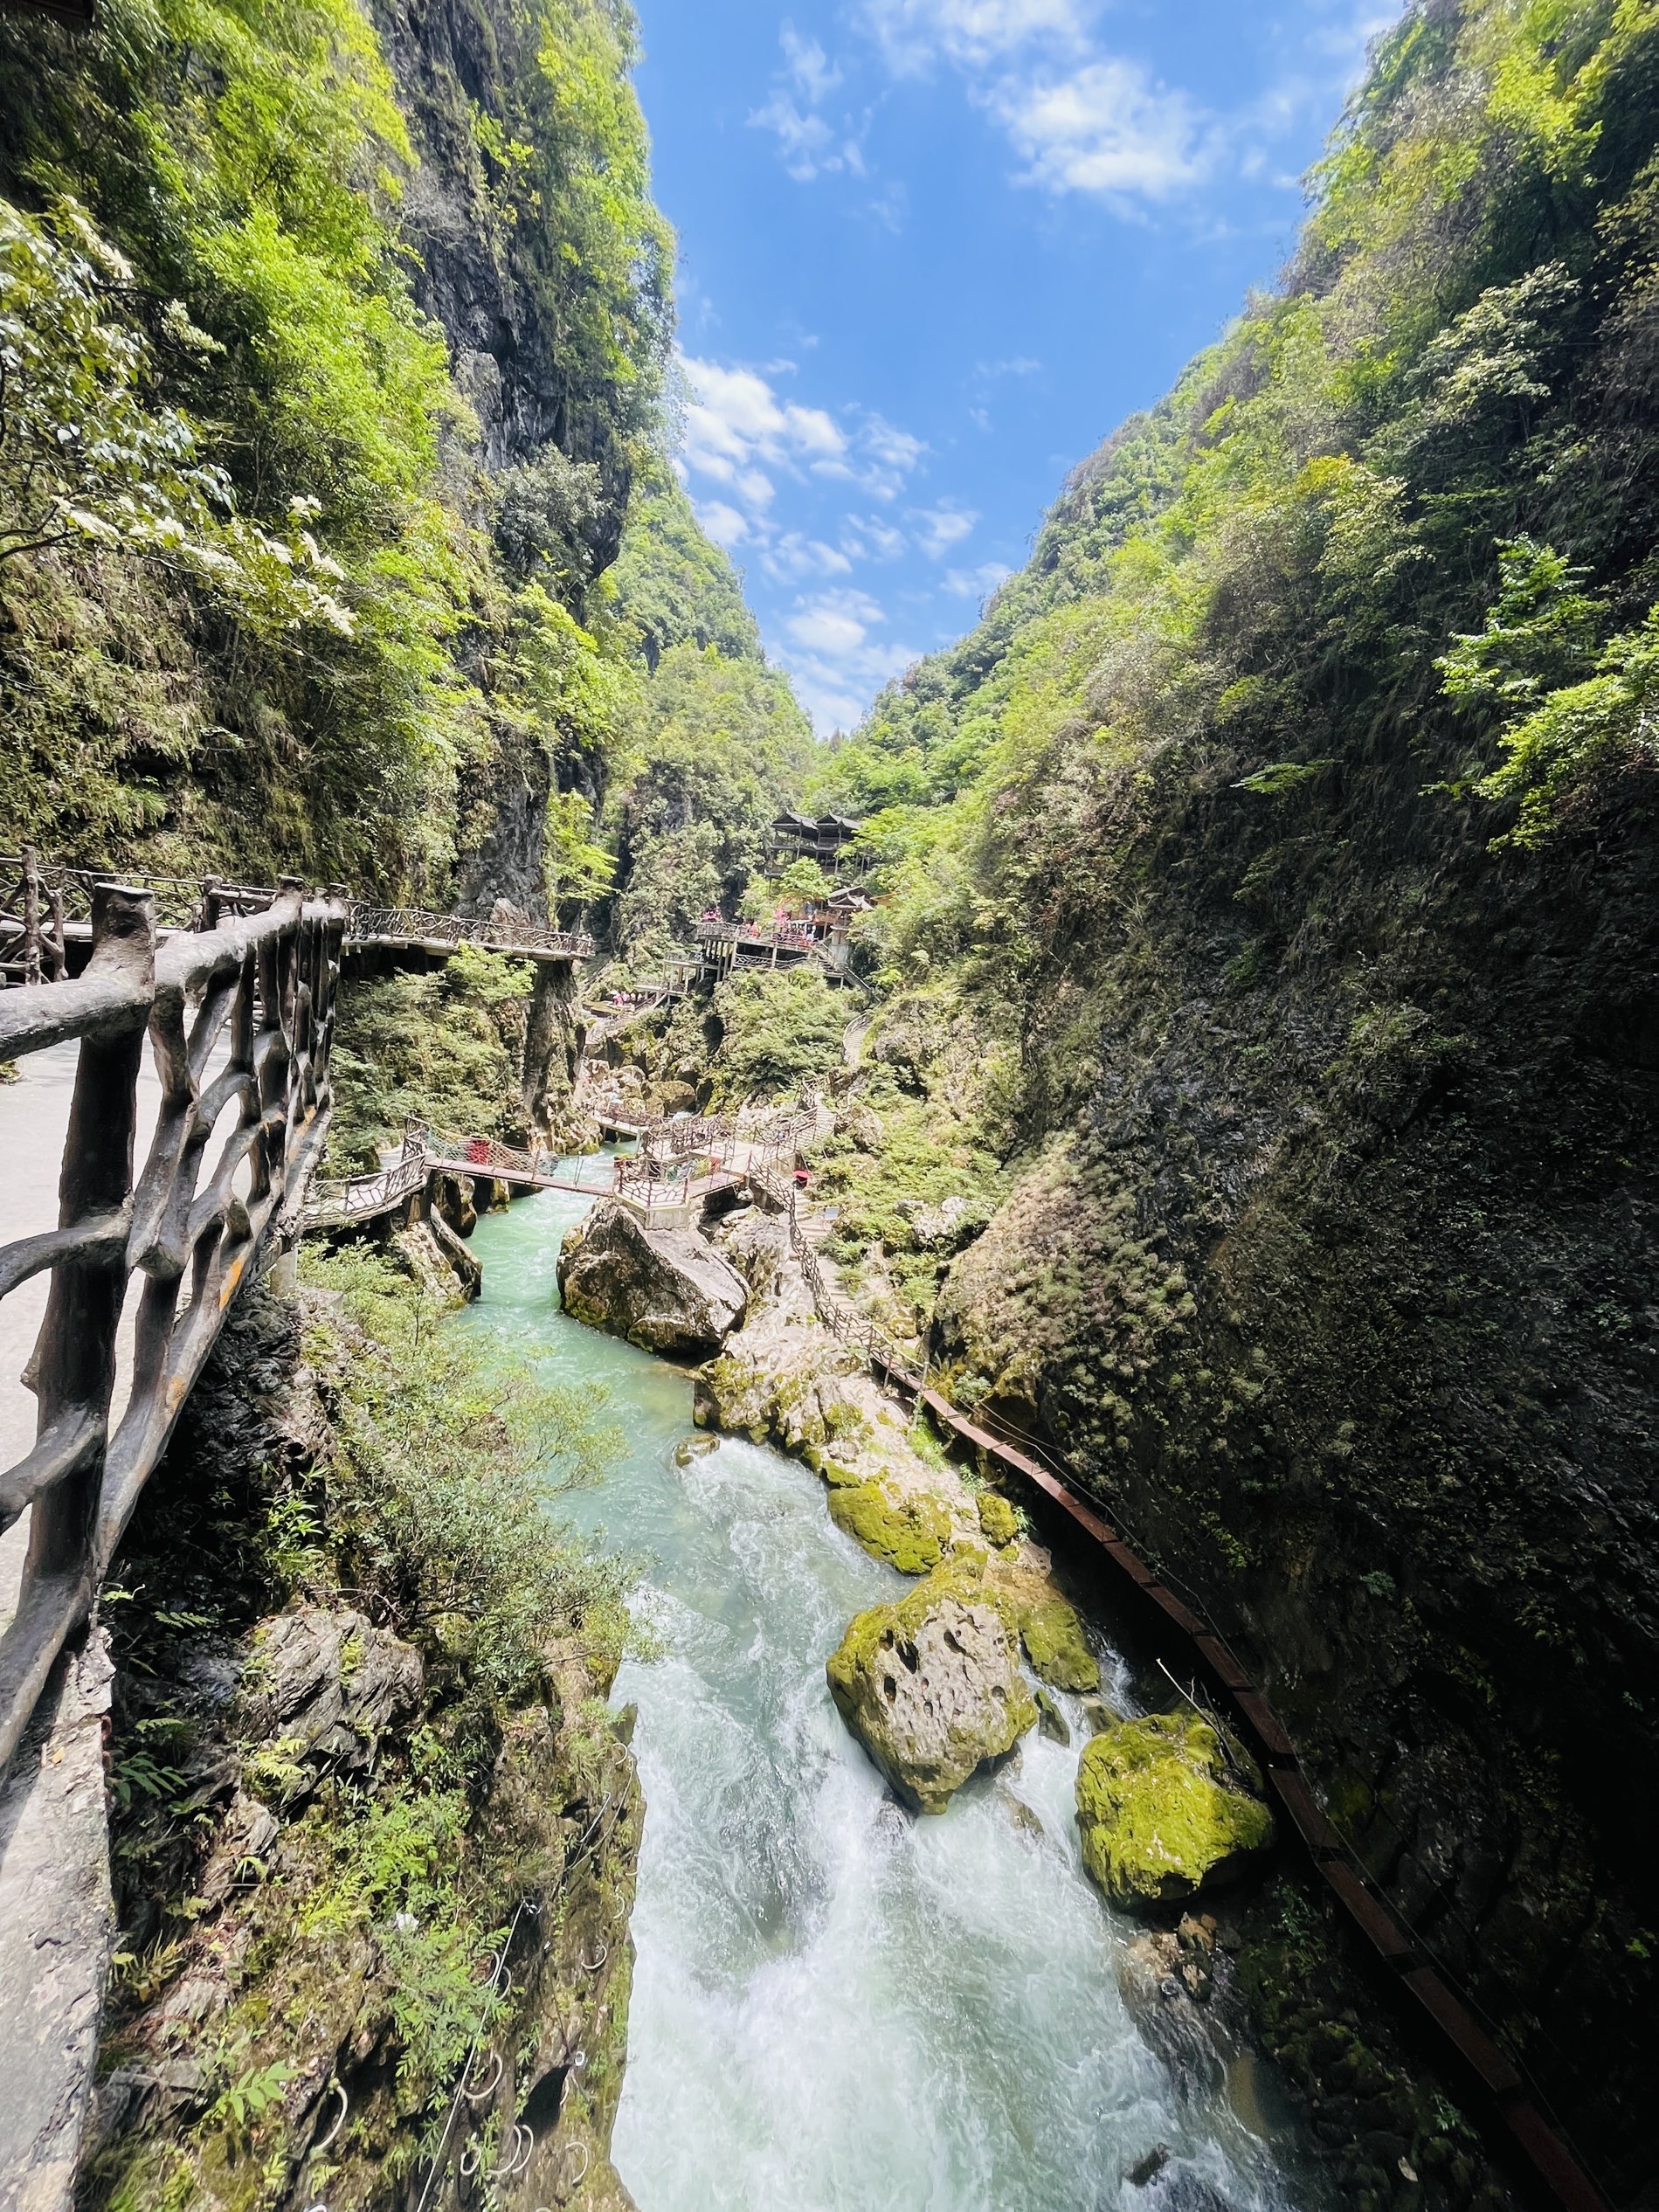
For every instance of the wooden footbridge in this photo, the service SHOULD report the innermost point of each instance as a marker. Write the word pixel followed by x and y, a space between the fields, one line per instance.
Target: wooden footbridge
pixel 678 1164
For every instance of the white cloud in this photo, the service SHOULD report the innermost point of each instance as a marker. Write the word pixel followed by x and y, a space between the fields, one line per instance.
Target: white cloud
pixel 940 528
pixel 736 428
pixel 971 33
pixel 1106 128
pixel 881 458
pixel 724 524
pixel 867 537
pixel 974 583
pixel 808 143
pixel 809 67
pixel 794 557
pixel 834 622
pixel 836 664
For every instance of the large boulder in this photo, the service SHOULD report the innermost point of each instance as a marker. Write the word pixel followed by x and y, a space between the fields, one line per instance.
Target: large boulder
pixel 665 1288
pixel 932 1685
pixel 1165 1809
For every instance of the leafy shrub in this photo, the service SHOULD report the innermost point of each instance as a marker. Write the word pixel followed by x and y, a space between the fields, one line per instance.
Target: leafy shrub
pixel 442 1489
pixel 780 1028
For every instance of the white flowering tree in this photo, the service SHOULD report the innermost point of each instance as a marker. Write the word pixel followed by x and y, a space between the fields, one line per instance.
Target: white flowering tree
pixel 88 458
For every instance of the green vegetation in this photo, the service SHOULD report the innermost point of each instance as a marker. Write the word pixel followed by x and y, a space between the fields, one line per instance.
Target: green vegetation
pixel 779 1028
pixel 451 1464
pixel 717 745
pixel 445 1047
pixel 355 1893
pixel 269 606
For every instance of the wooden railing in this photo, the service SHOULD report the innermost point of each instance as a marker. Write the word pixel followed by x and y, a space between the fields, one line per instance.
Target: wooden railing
pixel 418 925
pixel 261 990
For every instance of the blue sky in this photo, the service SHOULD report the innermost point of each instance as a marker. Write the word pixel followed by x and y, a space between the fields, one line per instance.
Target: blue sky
pixel 931 251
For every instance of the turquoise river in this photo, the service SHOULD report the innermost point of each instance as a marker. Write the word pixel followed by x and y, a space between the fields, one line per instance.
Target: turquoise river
pixel 839 2007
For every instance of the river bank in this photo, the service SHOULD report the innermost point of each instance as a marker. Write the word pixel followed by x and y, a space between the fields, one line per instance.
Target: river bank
pixel 837 2004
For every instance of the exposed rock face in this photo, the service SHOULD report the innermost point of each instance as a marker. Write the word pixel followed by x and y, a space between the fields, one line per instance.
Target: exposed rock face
pixel 1163 1814
pixel 454 1198
pixel 330 1685
pixel 553 1036
pixel 431 1253
pixel 931 1686
pixel 667 1290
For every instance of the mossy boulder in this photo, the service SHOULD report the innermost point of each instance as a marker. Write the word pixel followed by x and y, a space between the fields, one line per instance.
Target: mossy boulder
pixel 932 1685
pixel 1054 1644
pixel 996 1522
pixel 908 1528
pixel 1164 1812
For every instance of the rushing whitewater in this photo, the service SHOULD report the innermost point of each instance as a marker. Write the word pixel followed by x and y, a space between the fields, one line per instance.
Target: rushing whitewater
pixel 838 2008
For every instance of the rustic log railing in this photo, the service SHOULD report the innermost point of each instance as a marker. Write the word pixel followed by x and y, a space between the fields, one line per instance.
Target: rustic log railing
pixel 260 989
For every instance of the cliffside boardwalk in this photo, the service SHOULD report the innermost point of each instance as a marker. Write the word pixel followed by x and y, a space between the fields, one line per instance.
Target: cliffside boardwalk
pixel 46 919
pixel 234 988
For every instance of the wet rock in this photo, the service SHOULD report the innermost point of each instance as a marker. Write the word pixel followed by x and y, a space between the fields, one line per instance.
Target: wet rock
pixel 1054 1644
pixel 931 1686
pixel 1146 2169
pixel 664 1289
pixel 1164 1812
pixel 1027 1822
pixel 691 1447
pixel 1052 1722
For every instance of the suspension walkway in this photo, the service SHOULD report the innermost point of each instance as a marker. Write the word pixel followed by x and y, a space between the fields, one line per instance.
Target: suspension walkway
pixel 678 1164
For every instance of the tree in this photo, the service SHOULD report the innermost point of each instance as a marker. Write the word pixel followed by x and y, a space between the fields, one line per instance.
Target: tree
pixel 84 458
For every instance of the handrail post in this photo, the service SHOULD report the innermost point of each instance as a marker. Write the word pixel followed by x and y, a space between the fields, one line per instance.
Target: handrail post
pixel 31 915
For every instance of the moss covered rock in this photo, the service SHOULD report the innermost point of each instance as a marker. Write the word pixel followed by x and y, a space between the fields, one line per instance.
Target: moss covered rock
pixel 931 1686
pixel 997 1521
pixel 1054 1644
pixel 906 1528
pixel 1164 1812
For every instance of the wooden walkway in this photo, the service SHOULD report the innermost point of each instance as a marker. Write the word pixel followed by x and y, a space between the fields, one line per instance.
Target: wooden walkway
pixel 666 1174
pixel 46 919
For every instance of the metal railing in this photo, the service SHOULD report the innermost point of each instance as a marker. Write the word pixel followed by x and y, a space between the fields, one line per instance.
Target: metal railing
pixel 263 989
